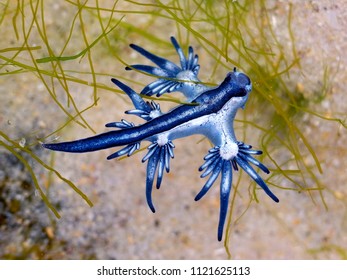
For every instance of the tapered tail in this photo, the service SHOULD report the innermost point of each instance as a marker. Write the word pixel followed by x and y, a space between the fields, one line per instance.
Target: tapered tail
pixel 95 143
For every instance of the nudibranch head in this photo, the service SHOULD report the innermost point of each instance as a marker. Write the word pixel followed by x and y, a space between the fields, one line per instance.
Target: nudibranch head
pixel 241 85
pixel 241 80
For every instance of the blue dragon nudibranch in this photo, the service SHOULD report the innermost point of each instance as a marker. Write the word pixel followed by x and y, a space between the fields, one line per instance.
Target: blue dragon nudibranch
pixel 211 113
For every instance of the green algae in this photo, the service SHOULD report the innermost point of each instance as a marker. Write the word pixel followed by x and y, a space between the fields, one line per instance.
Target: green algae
pixel 231 33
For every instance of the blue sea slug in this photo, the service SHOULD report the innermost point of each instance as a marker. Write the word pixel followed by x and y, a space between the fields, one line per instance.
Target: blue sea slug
pixel 211 113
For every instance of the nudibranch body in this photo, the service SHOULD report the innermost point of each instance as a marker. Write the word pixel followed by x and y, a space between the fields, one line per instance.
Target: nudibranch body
pixel 211 113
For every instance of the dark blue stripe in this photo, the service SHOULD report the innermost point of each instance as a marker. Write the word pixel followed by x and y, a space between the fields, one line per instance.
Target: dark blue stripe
pixel 209 102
